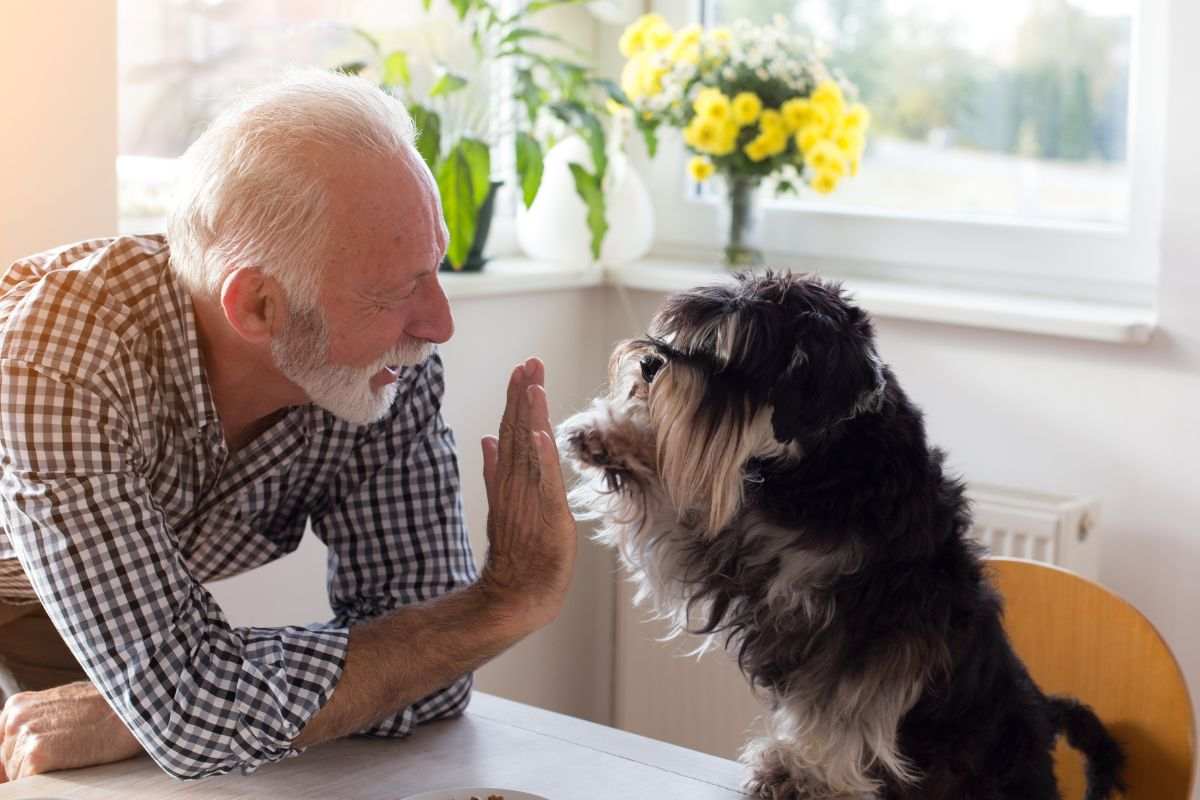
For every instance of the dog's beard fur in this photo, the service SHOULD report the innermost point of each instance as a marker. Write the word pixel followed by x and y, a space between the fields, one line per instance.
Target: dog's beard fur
pixel 703 465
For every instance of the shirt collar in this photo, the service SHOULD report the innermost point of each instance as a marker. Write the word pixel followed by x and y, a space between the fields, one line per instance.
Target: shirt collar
pixel 181 347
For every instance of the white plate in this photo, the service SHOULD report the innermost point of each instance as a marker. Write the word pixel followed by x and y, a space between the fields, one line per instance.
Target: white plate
pixel 466 793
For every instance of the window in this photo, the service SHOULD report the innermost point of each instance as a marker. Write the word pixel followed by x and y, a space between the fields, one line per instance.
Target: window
pixel 1014 144
pixel 180 61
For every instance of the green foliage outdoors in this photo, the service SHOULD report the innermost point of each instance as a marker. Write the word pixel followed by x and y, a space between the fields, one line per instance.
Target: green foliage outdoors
pixel 1062 94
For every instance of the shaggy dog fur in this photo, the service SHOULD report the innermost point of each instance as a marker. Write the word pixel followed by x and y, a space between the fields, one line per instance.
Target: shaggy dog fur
pixel 768 484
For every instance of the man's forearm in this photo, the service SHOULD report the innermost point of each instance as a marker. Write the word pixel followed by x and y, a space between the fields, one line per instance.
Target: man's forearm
pixel 398 658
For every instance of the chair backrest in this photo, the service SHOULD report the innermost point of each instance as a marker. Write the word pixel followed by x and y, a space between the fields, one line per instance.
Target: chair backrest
pixel 1078 638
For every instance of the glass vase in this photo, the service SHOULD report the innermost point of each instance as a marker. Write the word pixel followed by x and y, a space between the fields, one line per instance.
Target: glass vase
pixel 740 221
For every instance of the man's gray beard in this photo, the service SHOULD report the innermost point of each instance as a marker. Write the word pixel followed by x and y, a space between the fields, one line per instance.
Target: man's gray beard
pixel 301 354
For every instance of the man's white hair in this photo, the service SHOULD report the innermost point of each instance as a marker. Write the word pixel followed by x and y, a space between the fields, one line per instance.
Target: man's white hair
pixel 251 192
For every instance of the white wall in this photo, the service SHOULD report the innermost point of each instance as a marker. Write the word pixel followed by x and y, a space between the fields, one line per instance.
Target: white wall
pixel 58 87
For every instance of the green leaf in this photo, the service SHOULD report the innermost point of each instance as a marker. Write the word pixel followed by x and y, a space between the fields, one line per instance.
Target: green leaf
pixel 529 166
pixel 479 159
pixel 530 95
pixel 588 126
pixel 462 7
pixel 614 91
pixel 426 3
pixel 541 5
pixel 588 187
pixel 395 70
pixel 463 179
pixel 351 67
pixel 521 34
pixel 649 134
pixel 458 204
pixel 429 134
pixel 448 83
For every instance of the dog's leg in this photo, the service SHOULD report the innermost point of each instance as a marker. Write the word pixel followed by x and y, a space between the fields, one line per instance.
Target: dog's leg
pixel 780 771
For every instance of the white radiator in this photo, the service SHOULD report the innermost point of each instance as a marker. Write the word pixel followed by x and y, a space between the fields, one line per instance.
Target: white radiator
pixel 1054 529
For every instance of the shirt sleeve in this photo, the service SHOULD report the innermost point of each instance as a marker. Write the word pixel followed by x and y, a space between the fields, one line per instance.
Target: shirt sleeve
pixel 202 697
pixel 393 522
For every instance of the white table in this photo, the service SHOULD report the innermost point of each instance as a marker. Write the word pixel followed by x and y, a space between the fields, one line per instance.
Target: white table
pixel 496 743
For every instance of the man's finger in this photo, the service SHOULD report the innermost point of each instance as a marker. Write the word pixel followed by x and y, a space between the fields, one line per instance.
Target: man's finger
pixel 491 457
pixel 540 412
pixel 550 483
pixel 508 422
pixel 536 370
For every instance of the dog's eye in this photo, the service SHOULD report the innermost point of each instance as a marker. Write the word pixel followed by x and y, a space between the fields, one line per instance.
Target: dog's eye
pixel 650 367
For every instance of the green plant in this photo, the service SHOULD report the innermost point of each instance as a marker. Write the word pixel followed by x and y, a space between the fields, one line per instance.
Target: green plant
pixel 461 161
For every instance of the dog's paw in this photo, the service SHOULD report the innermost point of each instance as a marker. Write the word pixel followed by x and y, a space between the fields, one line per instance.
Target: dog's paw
pixel 778 784
pixel 587 446
pixel 776 774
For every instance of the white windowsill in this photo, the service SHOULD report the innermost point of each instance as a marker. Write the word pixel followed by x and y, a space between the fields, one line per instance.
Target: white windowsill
pixel 513 275
pixel 909 301
pixel 987 310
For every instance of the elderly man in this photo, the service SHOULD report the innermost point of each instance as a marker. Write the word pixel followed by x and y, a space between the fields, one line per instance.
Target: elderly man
pixel 176 409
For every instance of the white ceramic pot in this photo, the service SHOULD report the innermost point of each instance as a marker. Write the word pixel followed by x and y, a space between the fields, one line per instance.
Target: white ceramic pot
pixel 555 227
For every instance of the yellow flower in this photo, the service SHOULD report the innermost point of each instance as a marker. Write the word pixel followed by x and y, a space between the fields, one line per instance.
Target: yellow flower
pixel 631 78
pixel 648 32
pixel 756 151
pixel 687 55
pixel 775 141
pixel 809 137
pixel 858 118
pixel 829 95
pixel 659 33
pixel 727 141
pixel 686 45
pixel 712 104
pixel 720 111
pixel 722 36
pixel 700 168
pixel 705 96
pixel 797 113
pixel 850 142
pixel 825 157
pixel 642 77
pixel 746 108
pixel 772 121
pixel 703 134
pixel 824 182
pixel 633 41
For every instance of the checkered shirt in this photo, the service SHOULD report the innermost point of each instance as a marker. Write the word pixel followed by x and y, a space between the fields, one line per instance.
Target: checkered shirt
pixel 119 498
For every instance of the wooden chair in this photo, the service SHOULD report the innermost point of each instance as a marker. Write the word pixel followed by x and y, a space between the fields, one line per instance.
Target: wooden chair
pixel 1080 639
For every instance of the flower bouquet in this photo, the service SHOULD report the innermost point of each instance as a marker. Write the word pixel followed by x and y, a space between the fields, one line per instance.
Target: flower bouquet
pixel 753 104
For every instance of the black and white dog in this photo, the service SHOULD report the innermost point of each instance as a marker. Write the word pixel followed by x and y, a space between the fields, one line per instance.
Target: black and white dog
pixel 767 483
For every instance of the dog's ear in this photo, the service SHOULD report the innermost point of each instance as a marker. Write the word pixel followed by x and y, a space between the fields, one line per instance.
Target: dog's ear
pixel 834 375
pixel 705 438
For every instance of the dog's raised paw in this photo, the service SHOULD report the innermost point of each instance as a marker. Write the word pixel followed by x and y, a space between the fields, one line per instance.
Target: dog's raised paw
pixel 588 446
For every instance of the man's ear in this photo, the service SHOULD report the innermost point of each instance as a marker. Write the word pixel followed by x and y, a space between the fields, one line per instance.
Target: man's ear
pixel 253 304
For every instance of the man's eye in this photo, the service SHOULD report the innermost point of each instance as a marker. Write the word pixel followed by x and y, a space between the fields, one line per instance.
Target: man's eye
pixel 650 367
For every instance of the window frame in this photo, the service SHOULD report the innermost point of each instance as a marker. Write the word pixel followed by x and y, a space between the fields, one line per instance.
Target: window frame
pixel 1091 262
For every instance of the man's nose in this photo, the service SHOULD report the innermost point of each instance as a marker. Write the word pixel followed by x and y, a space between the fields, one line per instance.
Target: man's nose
pixel 434 321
